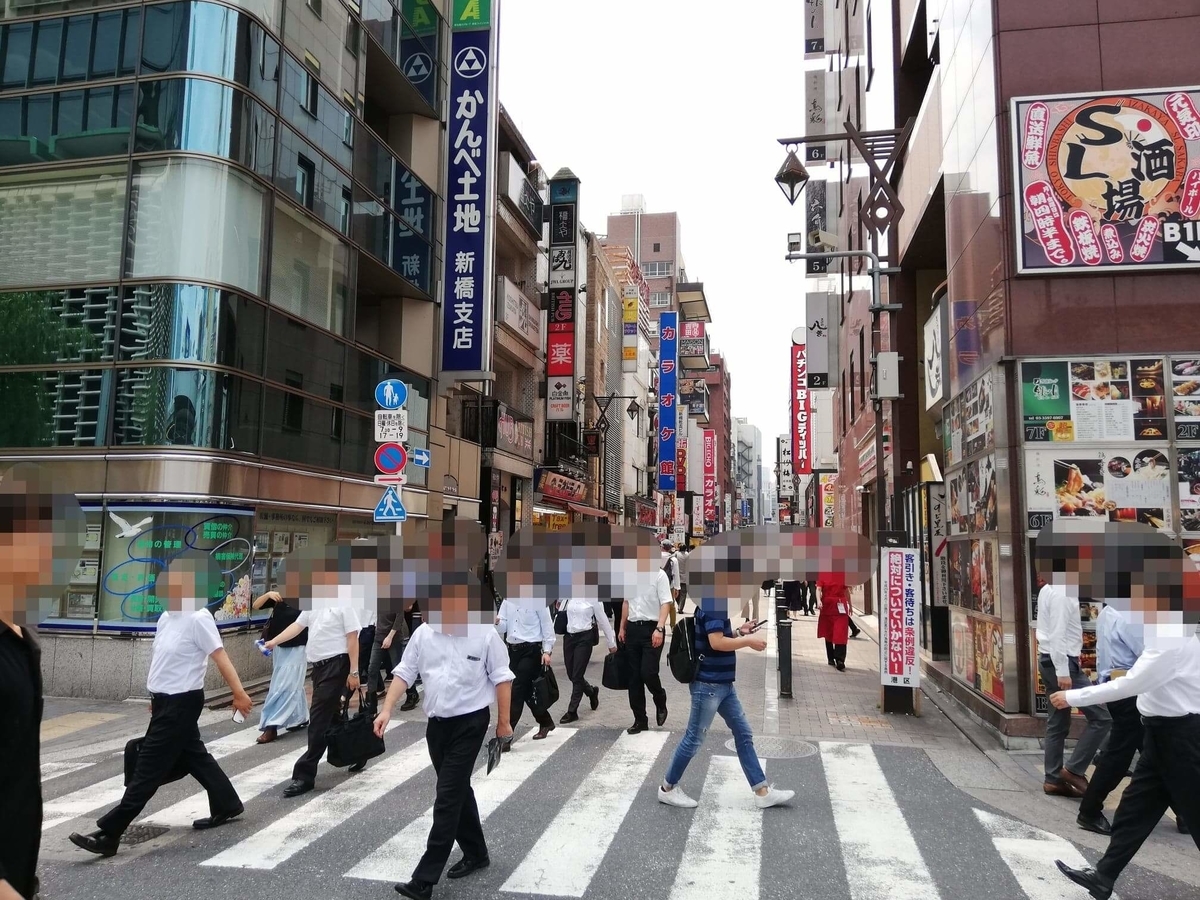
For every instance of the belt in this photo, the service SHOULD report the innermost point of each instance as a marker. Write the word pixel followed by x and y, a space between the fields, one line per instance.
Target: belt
pixel 642 622
pixel 526 644
pixel 154 696
pixel 331 659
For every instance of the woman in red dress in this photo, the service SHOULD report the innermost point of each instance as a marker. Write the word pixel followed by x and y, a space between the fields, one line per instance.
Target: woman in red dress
pixel 833 624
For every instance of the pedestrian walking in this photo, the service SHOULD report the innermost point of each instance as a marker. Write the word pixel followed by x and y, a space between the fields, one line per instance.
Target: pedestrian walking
pixel 810 598
pixel 681 560
pixel 465 670
pixel 793 594
pixel 530 637
pixel 185 639
pixel 286 705
pixel 1060 642
pixel 643 632
pixel 1119 644
pixel 713 693
pixel 391 637
pixel 752 605
pixel 670 564
pixel 585 619
pixel 833 623
pixel 412 621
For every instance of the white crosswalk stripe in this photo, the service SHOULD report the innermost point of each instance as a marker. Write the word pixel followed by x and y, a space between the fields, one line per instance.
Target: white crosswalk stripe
pixel 1030 853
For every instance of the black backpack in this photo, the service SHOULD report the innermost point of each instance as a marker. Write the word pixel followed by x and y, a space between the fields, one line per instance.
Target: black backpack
pixel 682 657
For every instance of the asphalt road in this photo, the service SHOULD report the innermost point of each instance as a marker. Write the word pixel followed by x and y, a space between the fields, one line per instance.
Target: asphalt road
pixel 573 816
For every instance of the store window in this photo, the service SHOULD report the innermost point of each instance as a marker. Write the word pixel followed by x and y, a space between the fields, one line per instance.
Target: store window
pixel 280 532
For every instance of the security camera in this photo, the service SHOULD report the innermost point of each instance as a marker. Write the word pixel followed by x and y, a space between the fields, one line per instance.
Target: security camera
pixel 822 240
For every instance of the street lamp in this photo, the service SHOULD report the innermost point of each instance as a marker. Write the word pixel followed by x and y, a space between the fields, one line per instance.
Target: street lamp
pixel 792 177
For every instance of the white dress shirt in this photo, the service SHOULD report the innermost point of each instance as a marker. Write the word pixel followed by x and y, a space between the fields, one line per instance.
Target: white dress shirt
pixel 1118 643
pixel 327 630
pixel 523 625
pixel 676 582
pixel 580 614
pixel 1059 628
pixel 460 672
pixel 650 600
pixel 1166 683
pixel 183 642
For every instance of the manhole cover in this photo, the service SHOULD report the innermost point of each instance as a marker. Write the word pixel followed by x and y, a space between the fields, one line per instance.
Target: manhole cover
pixel 139 834
pixel 777 748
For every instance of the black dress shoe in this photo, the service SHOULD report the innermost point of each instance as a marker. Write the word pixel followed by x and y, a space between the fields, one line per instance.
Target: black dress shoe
pixel 466 866
pixel 595 698
pixel 638 728
pixel 833 662
pixel 660 714
pixel 568 718
pixel 218 819
pixel 415 890
pixel 411 699
pixel 357 767
pixel 543 731
pixel 98 842
pixel 841 666
pixel 297 787
pixel 1096 824
pixel 1096 884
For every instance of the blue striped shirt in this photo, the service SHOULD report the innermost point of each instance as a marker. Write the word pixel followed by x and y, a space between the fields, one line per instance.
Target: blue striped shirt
pixel 716 666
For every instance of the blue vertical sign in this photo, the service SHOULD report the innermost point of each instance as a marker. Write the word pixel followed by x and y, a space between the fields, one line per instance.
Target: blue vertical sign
pixel 668 361
pixel 466 290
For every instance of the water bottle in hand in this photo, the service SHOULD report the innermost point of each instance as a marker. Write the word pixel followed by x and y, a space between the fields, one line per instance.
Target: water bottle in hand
pixel 261 644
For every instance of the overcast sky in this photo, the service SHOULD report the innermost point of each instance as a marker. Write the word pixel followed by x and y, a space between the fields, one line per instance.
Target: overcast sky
pixel 664 98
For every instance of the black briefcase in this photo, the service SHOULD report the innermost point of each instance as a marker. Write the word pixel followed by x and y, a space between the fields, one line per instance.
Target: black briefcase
pixel 616 670
pixel 545 689
pixel 352 740
pixel 134 747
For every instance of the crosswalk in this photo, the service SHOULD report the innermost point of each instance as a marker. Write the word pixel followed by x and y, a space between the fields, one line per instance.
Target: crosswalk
pixel 574 816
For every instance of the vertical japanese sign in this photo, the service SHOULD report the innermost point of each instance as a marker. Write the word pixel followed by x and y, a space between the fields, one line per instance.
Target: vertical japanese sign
pixel 668 359
pixel 560 329
pixel 899 645
pixel 815 211
pixel 467 277
pixel 814 28
pixel 710 477
pixel 827 514
pixel 631 302
pixel 801 455
pixel 817 307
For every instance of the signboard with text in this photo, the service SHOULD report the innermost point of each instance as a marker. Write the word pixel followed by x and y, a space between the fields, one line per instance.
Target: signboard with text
pixel 710 476
pixel 801 446
pixel 668 359
pixel 564 285
pixel 900 618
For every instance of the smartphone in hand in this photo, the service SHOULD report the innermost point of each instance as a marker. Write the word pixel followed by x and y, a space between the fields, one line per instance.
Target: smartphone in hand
pixel 238 716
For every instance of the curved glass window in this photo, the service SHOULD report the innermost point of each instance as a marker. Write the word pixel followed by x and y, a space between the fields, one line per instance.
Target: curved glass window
pixel 163 407
pixel 312 272
pixel 17 9
pixel 328 193
pixel 58 227
pixel 58 326
pixel 196 219
pixel 62 408
pixel 205 117
pixel 215 40
pixel 80 124
pixel 317 114
pixel 77 48
pixel 191 323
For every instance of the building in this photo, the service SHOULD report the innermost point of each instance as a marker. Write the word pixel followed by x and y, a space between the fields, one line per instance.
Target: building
pixel 1042 323
pixel 720 397
pixel 210 260
pixel 604 377
pixel 750 475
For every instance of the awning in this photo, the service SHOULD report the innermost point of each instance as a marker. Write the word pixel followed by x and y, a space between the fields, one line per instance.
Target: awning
pixel 588 510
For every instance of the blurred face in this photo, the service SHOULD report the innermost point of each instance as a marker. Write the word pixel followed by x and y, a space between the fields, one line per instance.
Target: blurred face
pixel 26 562
pixel 178 592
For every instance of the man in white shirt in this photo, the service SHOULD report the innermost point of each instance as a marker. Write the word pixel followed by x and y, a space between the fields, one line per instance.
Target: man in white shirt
pixel 530 637
pixel 1060 641
pixel 670 565
pixel 464 670
pixel 332 651
pixel 185 639
pixel 643 631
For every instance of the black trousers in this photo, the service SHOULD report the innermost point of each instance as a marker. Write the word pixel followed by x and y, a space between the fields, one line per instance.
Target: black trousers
pixel 525 660
pixel 577 653
pixel 366 638
pixel 454 745
pixel 1168 774
pixel 329 687
pixel 612 609
pixel 173 733
pixel 835 652
pixel 643 659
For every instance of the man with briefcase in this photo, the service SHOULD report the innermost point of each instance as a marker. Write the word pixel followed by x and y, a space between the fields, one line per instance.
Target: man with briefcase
pixel 530 637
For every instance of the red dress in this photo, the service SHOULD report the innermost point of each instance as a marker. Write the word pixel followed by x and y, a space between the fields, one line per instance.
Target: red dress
pixel 832 625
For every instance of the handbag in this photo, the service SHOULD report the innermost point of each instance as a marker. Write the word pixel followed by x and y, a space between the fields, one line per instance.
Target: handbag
pixel 545 688
pixel 616 670
pixel 560 620
pixel 595 632
pixel 134 747
pixel 353 740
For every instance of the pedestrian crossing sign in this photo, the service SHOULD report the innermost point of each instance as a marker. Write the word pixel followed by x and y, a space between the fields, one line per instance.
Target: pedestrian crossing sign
pixel 390 507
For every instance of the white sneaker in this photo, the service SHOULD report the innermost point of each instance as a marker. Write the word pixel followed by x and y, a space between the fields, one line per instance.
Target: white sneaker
pixel 676 797
pixel 773 797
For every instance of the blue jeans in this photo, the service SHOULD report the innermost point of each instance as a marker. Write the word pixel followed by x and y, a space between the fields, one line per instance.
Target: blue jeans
pixel 707 701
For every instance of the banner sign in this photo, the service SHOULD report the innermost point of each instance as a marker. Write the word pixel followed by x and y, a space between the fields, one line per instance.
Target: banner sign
pixel 814 199
pixel 900 618
pixel 1109 181
pixel 668 359
pixel 828 498
pixel 560 328
pixel 710 476
pixel 783 460
pixel 801 455
pixel 552 484
pixel 466 304
pixel 817 306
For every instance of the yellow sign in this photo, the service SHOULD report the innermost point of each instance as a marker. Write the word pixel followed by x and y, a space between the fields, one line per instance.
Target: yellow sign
pixel 552 521
pixel 629 353
pixel 631 309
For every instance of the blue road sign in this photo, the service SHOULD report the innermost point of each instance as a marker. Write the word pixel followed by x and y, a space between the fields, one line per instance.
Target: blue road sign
pixel 390 458
pixel 420 458
pixel 390 507
pixel 391 394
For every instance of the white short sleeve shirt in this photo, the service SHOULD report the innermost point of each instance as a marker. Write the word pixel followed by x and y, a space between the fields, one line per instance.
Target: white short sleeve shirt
pixel 460 672
pixel 327 630
pixel 183 642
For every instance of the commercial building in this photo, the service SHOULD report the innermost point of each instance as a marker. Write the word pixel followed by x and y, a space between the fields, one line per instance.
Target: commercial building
pixel 1044 236
pixel 220 226
pixel 751 478
pixel 720 416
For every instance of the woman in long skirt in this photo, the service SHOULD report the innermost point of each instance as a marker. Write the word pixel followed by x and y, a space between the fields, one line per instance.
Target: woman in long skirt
pixel 286 705
pixel 833 624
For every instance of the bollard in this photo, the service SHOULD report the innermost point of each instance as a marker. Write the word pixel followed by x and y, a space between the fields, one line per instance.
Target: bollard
pixel 784 649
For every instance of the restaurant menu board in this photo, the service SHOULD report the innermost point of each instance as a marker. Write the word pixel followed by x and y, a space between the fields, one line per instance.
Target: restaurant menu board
pixel 977 654
pixel 968 427
pixel 1189 498
pixel 974 575
pixel 1185 397
pixel 1078 401
pixel 1130 484
pixel 972 491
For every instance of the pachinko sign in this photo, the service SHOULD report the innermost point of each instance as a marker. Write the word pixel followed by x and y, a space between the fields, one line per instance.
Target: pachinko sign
pixel 1107 181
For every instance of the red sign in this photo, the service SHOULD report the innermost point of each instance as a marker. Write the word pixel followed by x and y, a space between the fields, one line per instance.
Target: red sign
pixel 1046 213
pixel 710 475
pixel 551 484
pixel 801 446
pixel 1033 142
pixel 681 465
pixel 390 458
pixel 560 354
